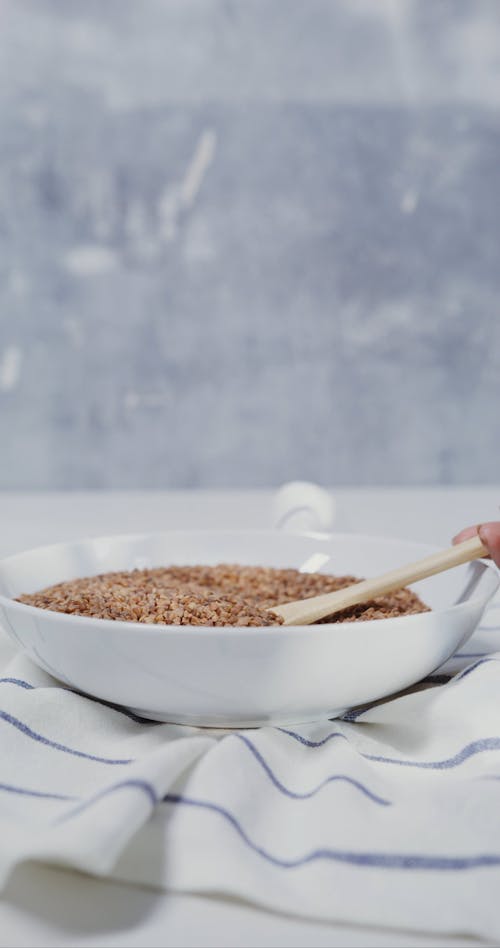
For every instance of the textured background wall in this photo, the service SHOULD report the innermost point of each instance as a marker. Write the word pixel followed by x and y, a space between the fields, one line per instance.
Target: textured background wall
pixel 248 240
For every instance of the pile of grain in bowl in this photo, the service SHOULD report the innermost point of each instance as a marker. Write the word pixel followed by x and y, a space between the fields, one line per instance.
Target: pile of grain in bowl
pixel 208 596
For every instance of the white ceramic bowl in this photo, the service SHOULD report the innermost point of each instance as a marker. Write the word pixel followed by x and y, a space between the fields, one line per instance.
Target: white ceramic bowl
pixel 240 676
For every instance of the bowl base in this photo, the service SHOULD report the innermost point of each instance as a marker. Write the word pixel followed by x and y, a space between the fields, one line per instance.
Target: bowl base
pixel 228 723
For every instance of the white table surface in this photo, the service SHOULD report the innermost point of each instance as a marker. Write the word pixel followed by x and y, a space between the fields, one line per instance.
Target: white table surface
pixel 44 906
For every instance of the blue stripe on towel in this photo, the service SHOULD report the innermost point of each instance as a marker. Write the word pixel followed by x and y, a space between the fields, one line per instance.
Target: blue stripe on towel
pixel 307 742
pixel 377 860
pixel 470 750
pixel 105 704
pixel 137 784
pixel 470 654
pixel 471 668
pixel 355 713
pixel 475 747
pixel 23 791
pixel 311 793
pixel 25 729
pixel 441 679
pixel 17 681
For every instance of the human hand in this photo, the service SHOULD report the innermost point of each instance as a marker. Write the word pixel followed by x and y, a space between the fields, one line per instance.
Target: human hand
pixel 489 533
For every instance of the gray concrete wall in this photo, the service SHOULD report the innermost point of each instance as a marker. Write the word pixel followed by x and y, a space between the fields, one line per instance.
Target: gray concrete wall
pixel 243 241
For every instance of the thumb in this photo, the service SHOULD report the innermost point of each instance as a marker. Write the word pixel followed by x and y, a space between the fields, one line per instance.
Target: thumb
pixel 490 535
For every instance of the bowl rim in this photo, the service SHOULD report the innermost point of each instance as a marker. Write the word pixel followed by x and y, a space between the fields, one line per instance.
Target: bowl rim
pixel 160 629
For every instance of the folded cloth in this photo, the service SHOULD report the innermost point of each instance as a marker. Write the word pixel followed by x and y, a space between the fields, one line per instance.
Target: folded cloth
pixel 387 817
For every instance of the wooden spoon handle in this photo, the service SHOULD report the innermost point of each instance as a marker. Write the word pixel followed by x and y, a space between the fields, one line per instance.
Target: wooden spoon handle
pixel 305 611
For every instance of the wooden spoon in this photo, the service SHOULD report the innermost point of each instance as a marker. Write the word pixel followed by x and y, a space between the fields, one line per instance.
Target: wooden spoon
pixel 305 611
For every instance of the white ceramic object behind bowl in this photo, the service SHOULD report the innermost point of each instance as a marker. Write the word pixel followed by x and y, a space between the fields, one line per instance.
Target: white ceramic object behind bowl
pixel 240 676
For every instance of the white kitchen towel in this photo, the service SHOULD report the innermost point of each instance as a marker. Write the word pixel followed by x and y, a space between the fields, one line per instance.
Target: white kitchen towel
pixel 388 817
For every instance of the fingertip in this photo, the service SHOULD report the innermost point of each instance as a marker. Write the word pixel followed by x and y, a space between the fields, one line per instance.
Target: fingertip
pixel 465 534
pixel 490 535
